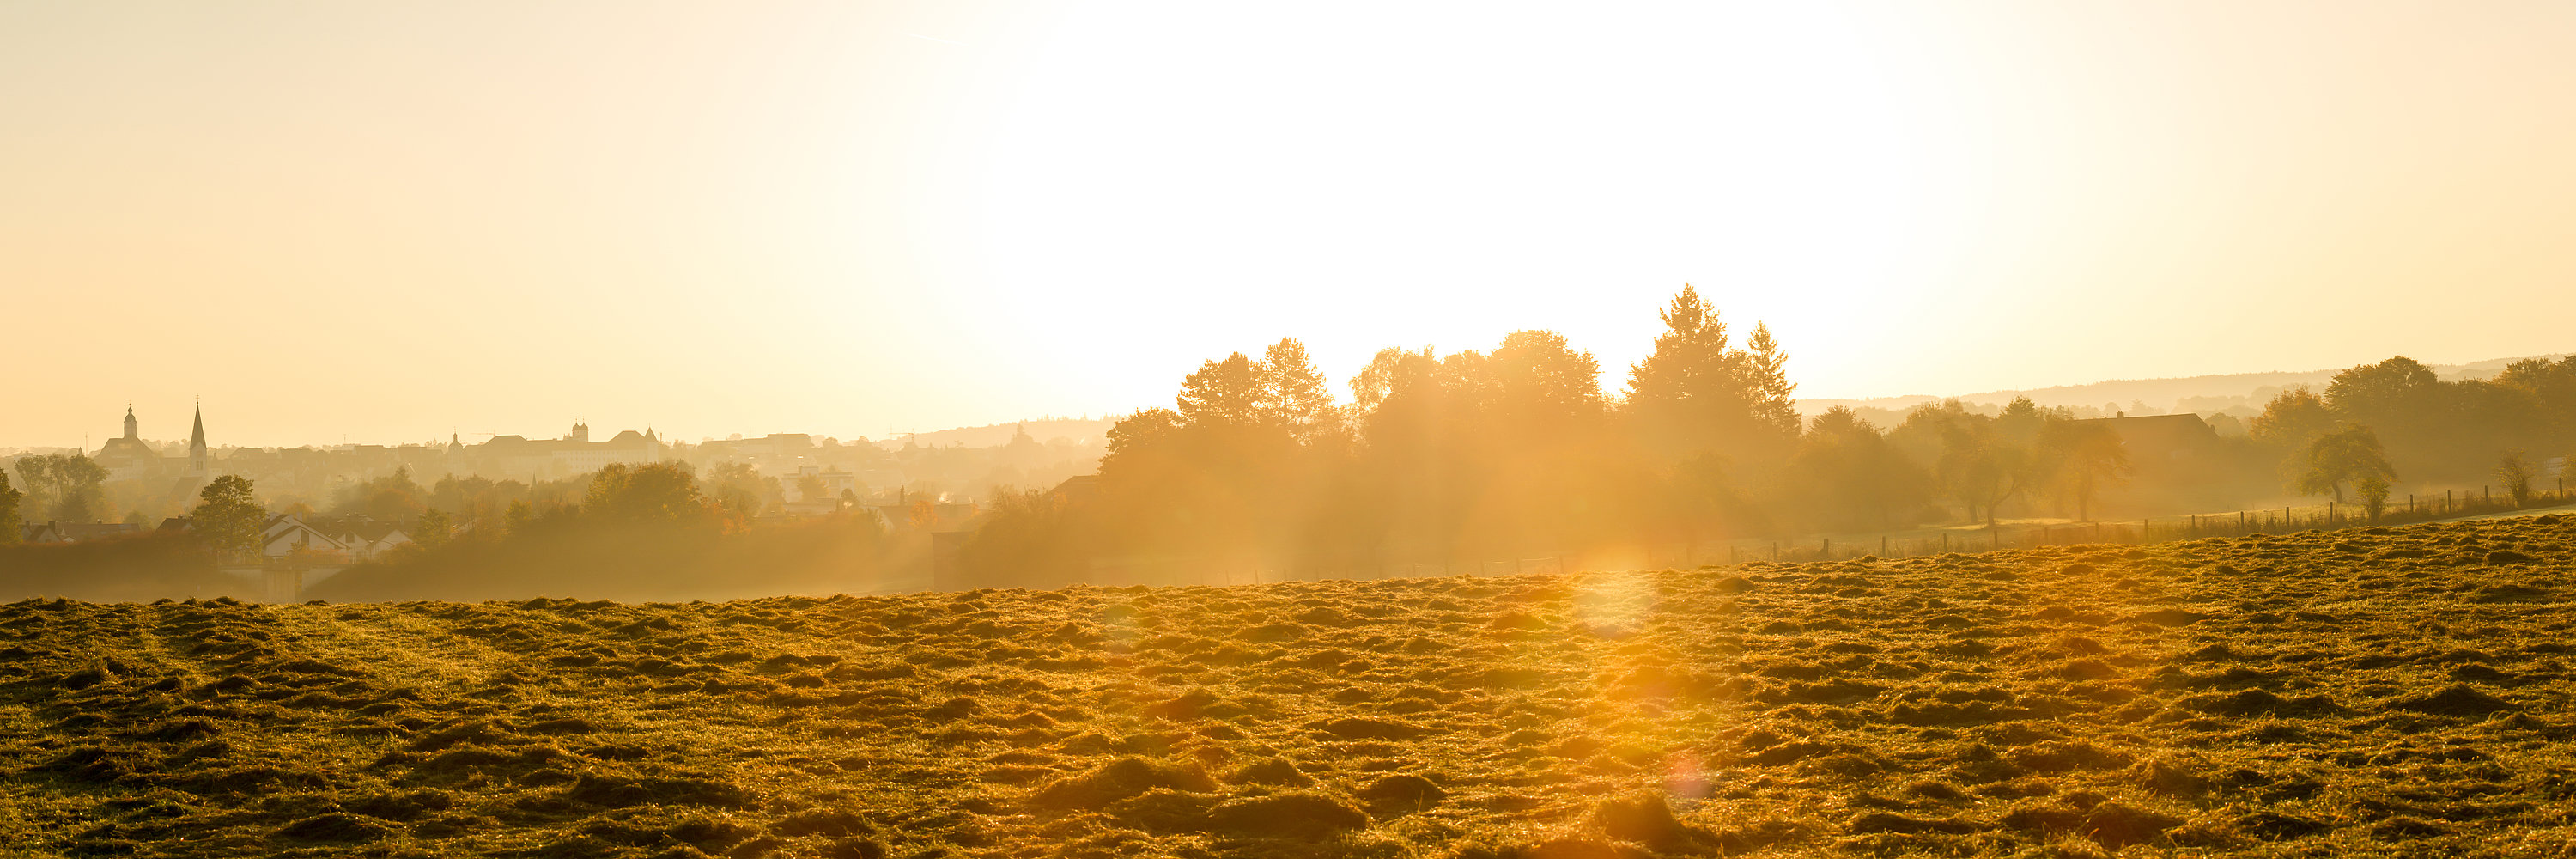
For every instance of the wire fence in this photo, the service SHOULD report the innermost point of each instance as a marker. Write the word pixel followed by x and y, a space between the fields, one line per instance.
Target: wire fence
pixel 1199 570
pixel 2159 529
pixel 2330 515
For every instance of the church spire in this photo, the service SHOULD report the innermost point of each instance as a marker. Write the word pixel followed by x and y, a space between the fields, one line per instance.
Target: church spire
pixel 129 421
pixel 197 443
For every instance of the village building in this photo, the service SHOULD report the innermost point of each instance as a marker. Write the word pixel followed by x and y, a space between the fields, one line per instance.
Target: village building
pixel 572 454
pixel 775 453
pixel 286 533
pixel 369 540
pixel 128 457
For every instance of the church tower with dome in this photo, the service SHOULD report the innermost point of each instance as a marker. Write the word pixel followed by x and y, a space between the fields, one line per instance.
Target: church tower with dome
pixel 127 456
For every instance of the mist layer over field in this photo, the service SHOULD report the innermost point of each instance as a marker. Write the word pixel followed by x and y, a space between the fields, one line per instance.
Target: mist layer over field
pixel 2317 694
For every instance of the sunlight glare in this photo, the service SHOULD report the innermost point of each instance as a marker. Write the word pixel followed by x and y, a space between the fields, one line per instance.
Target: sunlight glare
pixel 1168 165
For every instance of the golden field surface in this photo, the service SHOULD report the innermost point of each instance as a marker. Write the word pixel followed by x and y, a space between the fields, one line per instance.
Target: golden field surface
pixel 2359 692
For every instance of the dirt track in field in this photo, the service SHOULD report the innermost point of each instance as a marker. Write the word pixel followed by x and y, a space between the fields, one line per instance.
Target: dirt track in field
pixel 2331 693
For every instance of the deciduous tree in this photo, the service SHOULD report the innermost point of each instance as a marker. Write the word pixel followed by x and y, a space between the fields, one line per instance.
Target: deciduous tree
pixel 1546 382
pixel 228 517
pixel 2515 471
pixel 1226 392
pixel 661 495
pixel 391 498
pixel 739 490
pixel 433 529
pixel 2291 420
pixel 2373 490
pixel 2408 409
pixel 2343 456
pixel 1853 477
pixel 10 519
pixel 2088 456
pixel 69 483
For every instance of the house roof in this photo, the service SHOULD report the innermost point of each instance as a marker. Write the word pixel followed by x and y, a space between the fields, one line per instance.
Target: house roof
pixel 94 530
pixel 122 447
pixel 374 531
pixel 299 532
pixel 1078 487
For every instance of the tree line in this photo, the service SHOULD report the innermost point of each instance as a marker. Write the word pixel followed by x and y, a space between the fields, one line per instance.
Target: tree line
pixel 650 531
pixel 627 531
pixel 2378 424
pixel 59 487
pixel 1518 451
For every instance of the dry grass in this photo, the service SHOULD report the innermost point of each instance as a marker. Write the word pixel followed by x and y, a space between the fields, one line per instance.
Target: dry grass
pixel 2396 691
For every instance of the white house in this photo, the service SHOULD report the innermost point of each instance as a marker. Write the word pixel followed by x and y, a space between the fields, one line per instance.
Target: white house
pixel 370 540
pixel 285 533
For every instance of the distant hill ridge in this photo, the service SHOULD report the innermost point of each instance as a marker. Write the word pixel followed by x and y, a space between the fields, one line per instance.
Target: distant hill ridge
pixel 2239 393
pixel 996 435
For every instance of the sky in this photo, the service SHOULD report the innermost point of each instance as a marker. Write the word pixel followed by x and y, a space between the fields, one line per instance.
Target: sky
pixel 387 222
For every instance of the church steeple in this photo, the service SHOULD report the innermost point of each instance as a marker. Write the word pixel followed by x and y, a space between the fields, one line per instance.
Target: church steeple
pixel 197 443
pixel 129 421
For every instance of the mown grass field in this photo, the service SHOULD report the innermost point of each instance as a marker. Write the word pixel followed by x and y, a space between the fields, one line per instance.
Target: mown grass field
pixel 2387 692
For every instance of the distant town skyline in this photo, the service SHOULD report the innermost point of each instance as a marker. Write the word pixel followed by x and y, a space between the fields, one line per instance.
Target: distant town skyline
pixel 2167 392
pixel 133 425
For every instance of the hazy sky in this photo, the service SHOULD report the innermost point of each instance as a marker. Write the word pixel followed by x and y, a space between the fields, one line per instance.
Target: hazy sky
pixel 381 221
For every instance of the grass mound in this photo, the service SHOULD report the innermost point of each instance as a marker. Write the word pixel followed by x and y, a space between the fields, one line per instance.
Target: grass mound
pixel 2457 699
pixel 1120 779
pixel 1286 815
pixel 334 827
